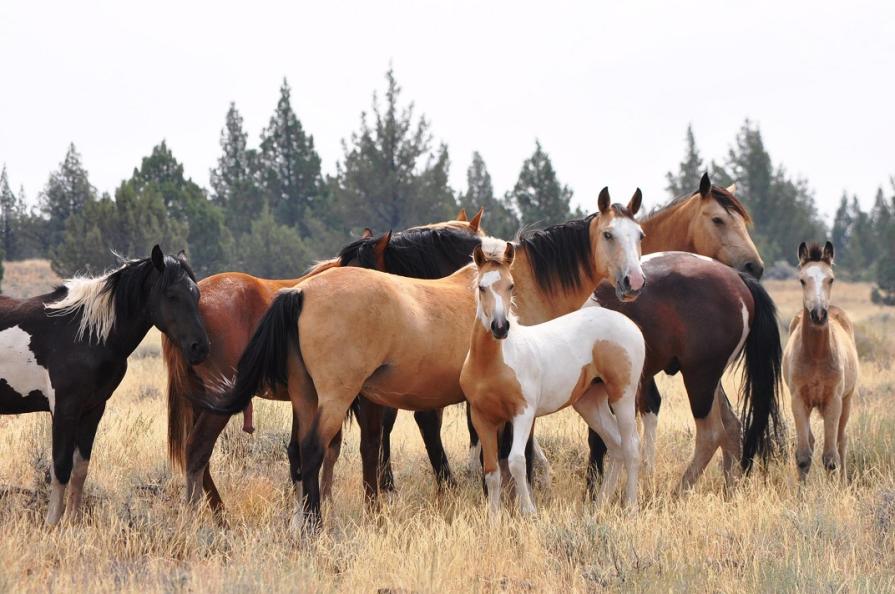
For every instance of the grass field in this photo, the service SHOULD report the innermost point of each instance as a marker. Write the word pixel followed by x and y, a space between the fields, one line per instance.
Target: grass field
pixel 769 535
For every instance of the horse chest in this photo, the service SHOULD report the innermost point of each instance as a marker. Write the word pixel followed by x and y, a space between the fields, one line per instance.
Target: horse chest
pixel 22 374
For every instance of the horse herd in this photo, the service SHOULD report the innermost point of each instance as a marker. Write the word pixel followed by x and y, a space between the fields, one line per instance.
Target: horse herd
pixel 580 314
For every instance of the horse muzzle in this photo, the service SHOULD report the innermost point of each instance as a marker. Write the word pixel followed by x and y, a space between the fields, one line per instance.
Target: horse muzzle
pixel 629 287
pixel 754 268
pixel 818 316
pixel 196 350
pixel 500 330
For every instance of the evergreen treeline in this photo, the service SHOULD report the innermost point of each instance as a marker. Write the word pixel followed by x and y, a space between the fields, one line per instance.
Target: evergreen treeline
pixel 270 210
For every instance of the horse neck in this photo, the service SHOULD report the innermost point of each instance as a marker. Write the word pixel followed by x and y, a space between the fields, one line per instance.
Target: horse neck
pixel 127 334
pixel 483 347
pixel 815 339
pixel 534 304
pixel 668 229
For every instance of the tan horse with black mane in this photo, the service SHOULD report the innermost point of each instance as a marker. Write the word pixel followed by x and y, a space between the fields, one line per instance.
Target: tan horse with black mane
pixel 401 342
pixel 820 363
pixel 232 304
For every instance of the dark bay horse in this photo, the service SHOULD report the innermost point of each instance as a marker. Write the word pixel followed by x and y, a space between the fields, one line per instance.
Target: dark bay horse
pixel 65 352
pixel 698 318
pixel 401 342
pixel 233 303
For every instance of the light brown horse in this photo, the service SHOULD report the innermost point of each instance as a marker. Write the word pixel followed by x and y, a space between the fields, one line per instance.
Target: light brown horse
pixel 515 373
pixel 820 363
pixel 232 304
pixel 401 342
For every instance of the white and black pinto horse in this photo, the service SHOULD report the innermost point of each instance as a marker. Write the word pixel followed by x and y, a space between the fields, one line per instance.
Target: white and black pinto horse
pixel 65 352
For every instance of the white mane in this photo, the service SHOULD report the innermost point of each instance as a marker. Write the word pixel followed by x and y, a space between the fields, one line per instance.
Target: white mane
pixel 96 305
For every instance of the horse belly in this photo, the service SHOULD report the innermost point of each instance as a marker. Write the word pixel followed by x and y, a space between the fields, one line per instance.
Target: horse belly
pixel 25 385
pixel 414 389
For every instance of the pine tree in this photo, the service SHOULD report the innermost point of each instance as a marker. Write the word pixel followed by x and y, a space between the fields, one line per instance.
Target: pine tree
pixel 290 166
pixel 67 192
pixel 538 194
pixel 233 181
pixel 690 170
pixel 499 218
pixel 8 216
pixel 390 179
pixel 272 250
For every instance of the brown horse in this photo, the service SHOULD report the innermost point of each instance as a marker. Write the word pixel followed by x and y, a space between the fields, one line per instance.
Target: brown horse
pixel 820 363
pixel 232 304
pixel 401 342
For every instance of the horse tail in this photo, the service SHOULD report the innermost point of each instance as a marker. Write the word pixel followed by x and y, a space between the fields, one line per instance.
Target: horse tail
pixel 761 378
pixel 264 364
pixel 180 409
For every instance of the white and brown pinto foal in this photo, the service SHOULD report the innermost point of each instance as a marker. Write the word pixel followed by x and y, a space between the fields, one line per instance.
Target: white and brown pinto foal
pixel 820 363
pixel 515 373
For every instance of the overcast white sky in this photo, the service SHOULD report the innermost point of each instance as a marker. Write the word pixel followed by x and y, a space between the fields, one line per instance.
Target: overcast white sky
pixel 608 88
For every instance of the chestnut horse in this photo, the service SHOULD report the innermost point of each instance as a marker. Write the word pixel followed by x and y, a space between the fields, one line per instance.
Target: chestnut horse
pixel 401 342
pixel 233 303
pixel 514 373
pixel 820 363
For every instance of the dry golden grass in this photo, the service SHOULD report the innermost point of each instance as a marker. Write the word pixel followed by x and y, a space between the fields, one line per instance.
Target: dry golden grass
pixel 26 278
pixel 768 536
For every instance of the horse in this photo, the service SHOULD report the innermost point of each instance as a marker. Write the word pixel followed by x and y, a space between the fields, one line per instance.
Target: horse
pixel 65 352
pixel 233 303
pixel 699 317
pixel 820 362
pixel 401 342
pixel 515 373
pixel 712 222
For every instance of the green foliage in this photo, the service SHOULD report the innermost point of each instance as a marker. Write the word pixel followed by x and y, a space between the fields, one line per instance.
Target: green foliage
pixel 272 250
pixel 390 179
pixel 499 219
pixel 67 192
pixel 289 166
pixel 538 195
pixel 234 181
pixel 689 172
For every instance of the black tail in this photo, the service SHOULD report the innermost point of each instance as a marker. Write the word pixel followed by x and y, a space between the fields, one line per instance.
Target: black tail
pixel 761 378
pixel 264 363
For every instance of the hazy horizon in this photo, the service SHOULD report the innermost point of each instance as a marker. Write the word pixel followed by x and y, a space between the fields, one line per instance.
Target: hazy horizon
pixel 609 91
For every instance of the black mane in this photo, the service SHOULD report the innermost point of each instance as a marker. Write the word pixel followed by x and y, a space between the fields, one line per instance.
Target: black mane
pixel 559 253
pixel 418 253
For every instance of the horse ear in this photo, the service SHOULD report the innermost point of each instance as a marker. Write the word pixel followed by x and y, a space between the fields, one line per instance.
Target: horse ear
pixel 705 185
pixel 367 233
pixel 603 201
pixel 636 199
pixel 477 220
pixel 509 254
pixel 462 216
pixel 181 255
pixel 158 258
pixel 478 256
pixel 803 252
pixel 828 253
pixel 732 188
pixel 381 244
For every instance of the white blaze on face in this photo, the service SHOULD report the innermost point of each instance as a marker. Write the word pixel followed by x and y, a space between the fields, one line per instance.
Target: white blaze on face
pixel 627 235
pixel 20 369
pixel 815 293
pixel 486 281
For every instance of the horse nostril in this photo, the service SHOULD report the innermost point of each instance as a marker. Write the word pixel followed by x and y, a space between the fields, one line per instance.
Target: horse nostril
pixel 754 268
pixel 626 282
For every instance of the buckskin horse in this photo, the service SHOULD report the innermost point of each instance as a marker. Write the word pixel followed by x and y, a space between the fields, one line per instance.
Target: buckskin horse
pixel 820 363
pixel 233 303
pixel 65 352
pixel 515 373
pixel 401 342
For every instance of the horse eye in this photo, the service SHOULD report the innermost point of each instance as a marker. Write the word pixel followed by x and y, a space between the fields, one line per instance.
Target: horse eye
pixel 512 287
pixel 607 235
pixel 718 221
pixel 481 288
pixel 642 235
pixel 802 282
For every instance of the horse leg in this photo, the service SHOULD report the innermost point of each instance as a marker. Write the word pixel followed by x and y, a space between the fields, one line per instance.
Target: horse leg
pixel 732 445
pixel 64 430
pixel 842 439
pixel 597 449
pixel 84 436
pixel 522 426
pixel 593 406
pixel 709 427
pixel 832 414
pixel 199 448
pixel 487 433
pixel 429 422
pixel 804 439
pixel 648 404
pixel 388 423
pixel 293 450
pixel 473 462
pixel 369 418
pixel 329 465
pixel 540 464
pixel 626 416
